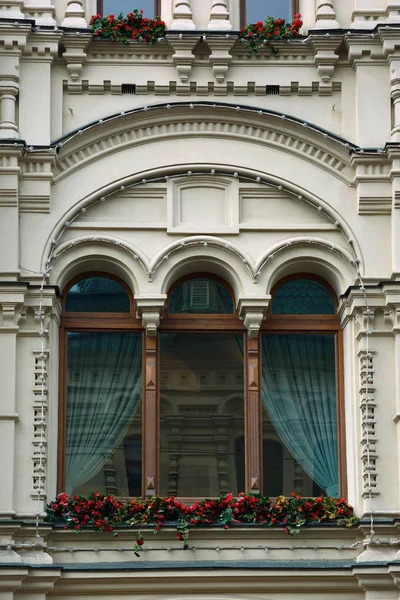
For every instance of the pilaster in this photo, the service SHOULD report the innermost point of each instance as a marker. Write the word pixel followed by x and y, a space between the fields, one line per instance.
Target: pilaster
pixel 394 156
pixel 10 157
pixel 11 303
pixel 371 79
pixel 39 54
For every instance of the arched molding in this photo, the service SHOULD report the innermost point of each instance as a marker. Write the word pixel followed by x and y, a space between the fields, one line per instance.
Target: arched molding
pixel 316 259
pixel 96 257
pixel 215 261
pixel 248 124
pixel 112 188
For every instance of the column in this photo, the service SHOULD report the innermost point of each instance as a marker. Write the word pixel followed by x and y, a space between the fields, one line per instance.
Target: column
pixel 8 99
pixel 219 16
pixel 183 17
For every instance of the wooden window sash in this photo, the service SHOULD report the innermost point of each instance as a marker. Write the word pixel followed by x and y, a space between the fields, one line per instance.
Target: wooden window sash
pixel 243 22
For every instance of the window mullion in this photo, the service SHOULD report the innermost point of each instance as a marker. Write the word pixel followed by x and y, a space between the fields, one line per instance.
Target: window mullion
pixel 253 434
pixel 150 415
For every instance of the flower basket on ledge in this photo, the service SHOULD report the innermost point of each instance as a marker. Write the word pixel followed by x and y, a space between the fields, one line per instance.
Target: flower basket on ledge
pixel 134 27
pixel 105 513
pixel 261 35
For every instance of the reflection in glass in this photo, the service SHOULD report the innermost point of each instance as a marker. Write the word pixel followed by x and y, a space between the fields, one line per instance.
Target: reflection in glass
pixel 97 294
pixel 103 413
pixel 126 6
pixel 299 398
pixel 258 10
pixel 303 297
pixel 202 413
pixel 201 296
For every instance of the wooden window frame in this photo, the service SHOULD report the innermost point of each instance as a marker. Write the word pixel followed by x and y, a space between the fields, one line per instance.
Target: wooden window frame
pixel 157 7
pixel 212 324
pixel 243 22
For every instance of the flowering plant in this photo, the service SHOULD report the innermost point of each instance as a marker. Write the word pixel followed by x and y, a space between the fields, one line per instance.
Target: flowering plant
pixel 134 26
pixel 263 34
pixel 105 513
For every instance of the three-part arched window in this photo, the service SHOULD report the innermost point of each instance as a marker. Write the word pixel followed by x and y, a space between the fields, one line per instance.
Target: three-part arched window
pixel 200 410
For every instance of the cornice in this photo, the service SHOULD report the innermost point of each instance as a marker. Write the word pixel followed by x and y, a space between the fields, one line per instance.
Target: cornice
pixel 203 121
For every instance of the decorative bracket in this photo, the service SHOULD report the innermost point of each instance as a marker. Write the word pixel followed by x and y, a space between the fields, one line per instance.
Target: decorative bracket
pixel 183 57
pixel 325 59
pixel 150 309
pixel 252 311
pixel 220 57
pixel 75 55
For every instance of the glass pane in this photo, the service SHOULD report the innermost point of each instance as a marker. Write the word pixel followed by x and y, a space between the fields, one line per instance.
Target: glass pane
pixel 303 297
pixel 201 296
pixel 258 10
pixel 104 425
pixel 97 294
pixel 110 7
pixel 202 414
pixel 299 414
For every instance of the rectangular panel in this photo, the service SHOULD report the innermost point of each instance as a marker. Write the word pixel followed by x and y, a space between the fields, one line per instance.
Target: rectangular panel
pixel 103 413
pixel 300 438
pixel 258 10
pixel 201 414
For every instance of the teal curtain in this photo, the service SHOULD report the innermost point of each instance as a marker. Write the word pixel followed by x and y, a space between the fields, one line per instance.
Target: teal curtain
pixel 104 390
pixel 299 394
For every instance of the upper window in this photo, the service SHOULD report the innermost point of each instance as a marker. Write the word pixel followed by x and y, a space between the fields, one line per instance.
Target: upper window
pixel 97 294
pixel 258 10
pixel 115 7
pixel 201 295
pixel 201 393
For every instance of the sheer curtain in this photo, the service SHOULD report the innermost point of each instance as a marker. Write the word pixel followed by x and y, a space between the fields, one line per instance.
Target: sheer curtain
pixel 104 391
pixel 299 394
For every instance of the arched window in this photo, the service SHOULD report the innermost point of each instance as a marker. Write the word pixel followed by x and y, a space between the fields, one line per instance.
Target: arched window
pixel 101 387
pixel 220 412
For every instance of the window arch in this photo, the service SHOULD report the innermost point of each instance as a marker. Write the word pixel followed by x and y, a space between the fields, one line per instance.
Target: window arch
pixel 220 412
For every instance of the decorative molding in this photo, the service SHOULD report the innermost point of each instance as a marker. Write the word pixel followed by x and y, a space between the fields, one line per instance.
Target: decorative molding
pixel 40 404
pixel 228 88
pixel 368 423
pixel 256 131
pixel 374 205
pixel 8 197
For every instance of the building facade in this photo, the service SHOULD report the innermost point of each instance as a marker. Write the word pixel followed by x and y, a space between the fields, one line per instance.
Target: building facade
pixel 200 293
